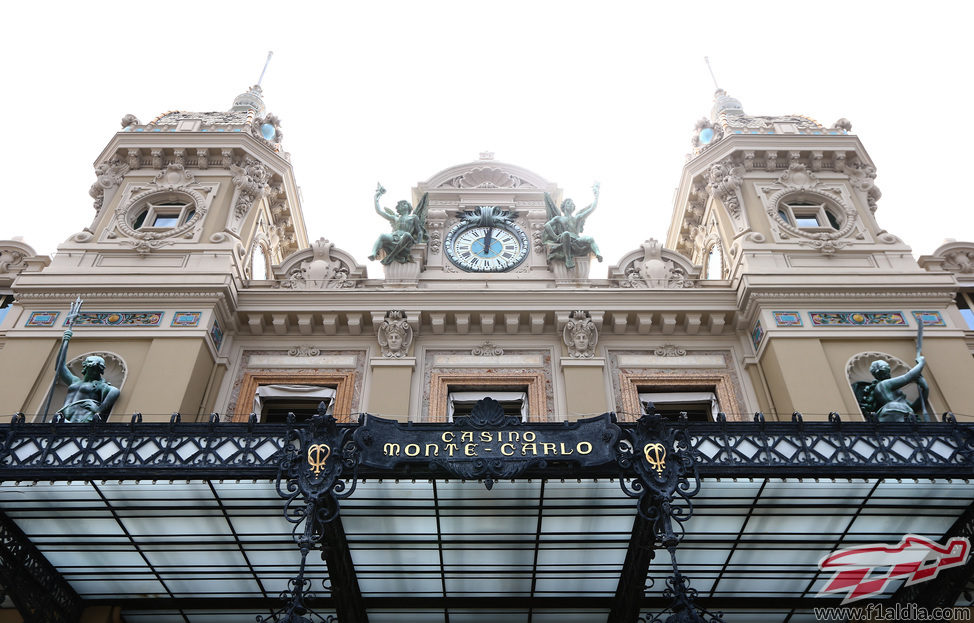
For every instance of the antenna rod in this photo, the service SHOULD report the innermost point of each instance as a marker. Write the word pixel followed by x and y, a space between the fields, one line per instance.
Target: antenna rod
pixel 705 59
pixel 266 63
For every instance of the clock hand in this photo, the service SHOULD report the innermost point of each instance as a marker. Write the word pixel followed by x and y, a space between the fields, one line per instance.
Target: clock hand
pixel 487 241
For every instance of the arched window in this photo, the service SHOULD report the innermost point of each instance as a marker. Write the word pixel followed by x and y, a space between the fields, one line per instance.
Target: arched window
pixel 715 262
pixel 258 263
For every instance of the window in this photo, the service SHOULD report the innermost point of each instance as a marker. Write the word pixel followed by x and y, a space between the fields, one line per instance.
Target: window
pixel 5 301
pixel 461 401
pixel 282 391
pixel 171 212
pixel 272 403
pixel 965 302
pixel 699 406
pixel 715 263
pixel 258 263
pixel 455 394
pixel 809 215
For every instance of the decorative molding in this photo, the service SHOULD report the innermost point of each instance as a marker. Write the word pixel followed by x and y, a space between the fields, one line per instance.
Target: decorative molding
pixel 108 175
pixel 857 319
pixel 185 319
pixel 118 319
pixel 787 318
pixel 395 335
pixel 304 351
pixel 251 179
pixel 724 181
pixel 580 335
pixel 487 349
pixel 321 267
pixel 656 268
pixel 669 350
pixel 486 177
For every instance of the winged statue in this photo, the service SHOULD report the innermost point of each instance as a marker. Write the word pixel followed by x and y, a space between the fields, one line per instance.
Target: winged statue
pixel 408 228
pixel 562 235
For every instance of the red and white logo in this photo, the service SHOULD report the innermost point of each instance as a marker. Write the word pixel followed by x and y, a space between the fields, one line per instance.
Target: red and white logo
pixel 865 570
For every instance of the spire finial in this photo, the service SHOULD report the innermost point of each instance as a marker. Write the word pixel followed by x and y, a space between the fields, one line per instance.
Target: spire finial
pixel 709 68
pixel 263 71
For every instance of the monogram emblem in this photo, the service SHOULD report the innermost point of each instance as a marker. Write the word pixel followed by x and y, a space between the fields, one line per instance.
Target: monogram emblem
pixel 656 456
pixel 317 455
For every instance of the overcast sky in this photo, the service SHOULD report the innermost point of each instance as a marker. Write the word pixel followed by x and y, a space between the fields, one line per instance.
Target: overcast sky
pixel 577 92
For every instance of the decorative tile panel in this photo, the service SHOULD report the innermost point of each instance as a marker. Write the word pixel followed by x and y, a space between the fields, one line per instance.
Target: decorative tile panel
pixel 787 318
pixel 42 319
pixel 757 333
pixel 186 319
pixel 118 319
pixel 929 318
pixel 216 333
pixel 857 319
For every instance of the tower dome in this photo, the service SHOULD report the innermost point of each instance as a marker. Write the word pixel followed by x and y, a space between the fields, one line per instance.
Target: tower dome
pixel 250 100
pixel 724 103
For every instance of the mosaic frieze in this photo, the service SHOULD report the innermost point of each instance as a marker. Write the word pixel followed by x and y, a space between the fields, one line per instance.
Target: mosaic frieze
pixel 118 319
pixel 857 319
pixel 42 319
pixel 787 318
pixel 929 318
pixel 186 319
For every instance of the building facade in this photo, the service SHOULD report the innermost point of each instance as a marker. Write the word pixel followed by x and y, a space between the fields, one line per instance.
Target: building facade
pixel 774 291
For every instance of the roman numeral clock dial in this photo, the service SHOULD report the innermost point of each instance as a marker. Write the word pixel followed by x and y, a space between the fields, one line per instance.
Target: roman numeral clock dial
pixel 493 247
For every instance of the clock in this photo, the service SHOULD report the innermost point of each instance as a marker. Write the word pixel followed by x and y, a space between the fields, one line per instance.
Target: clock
pixel 486 242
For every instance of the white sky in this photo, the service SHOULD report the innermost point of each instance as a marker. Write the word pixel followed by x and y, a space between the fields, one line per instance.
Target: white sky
pixel 575 91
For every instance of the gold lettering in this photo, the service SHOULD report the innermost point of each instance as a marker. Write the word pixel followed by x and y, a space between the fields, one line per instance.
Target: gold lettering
pixel 470 449
pixel 486 436
pixel 588 447
pixel 525 446
pixel 448 436
pixel 514 436
pixel 529 435
pixel 390 449
pixel 507 445
pixel 451 448
pixel 436 449
pixel 547 447
pixel 564 450
pixel 415 452
pixel 467 436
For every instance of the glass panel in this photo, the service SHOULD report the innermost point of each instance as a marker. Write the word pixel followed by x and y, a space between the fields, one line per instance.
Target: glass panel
pixel 807 220
pixel 166 220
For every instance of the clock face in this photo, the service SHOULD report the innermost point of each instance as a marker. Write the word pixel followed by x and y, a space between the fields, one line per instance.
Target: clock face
pixel 481 249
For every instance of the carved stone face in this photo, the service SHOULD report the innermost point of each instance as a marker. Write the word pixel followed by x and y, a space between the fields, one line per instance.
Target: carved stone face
pixel 581 341
pixel 395 341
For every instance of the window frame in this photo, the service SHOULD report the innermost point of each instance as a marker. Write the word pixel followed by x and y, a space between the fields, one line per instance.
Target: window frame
pixel 803 208
pixel 632 384
pixel 440 384
pixel 342 382
pixel 166 208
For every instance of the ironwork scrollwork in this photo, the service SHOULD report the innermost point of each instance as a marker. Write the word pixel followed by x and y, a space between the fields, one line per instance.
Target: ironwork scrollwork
pixel 662 456
pixel 310 479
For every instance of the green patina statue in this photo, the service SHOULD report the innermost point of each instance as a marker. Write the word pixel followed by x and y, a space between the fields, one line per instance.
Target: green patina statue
pixel 88 395
pixel 883 398
pixel 563 237
pixel 408 228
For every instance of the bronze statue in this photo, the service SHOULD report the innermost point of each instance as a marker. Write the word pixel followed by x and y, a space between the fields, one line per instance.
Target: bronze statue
pixel 883 397
pixel 408 228
pixel 87 396
pixel 563 237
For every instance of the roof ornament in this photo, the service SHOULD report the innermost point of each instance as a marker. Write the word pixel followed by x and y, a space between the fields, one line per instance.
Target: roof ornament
pixel 250 99
pixel 723 103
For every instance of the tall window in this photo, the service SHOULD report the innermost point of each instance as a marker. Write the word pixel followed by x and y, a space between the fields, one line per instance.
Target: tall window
pixel 715 262
pixel 965 301
pixel 5 301
pixel 258 263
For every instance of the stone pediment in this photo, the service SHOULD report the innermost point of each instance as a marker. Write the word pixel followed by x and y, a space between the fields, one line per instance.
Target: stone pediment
pixel 654 267
pixel 319 267
pixel 486 175
pixel 17 257
pixel 956 257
